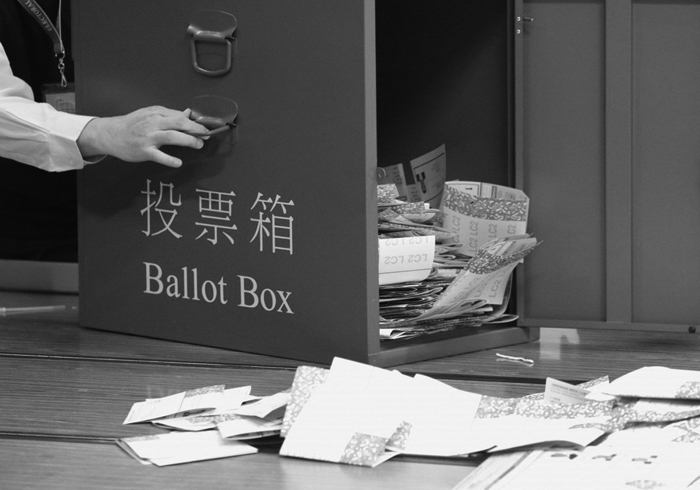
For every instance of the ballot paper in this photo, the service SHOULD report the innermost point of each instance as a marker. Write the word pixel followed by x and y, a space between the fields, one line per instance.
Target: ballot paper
pixel 182 447
pixel 350 417
pixel 480 212
pixel 395 176
pixel 657 382
pixel 427 285
pixel 256 413
pixel 556 391
pixel 440 419
pixel 241 428
pixel 429 172
pixel 266 407
pixel 593 467
pixel 685 431
pixel 405 259
pixel 514 431
pixel 477 293
pixel 427 416
pixel 484 279
pixel 186 402
pixel 306 380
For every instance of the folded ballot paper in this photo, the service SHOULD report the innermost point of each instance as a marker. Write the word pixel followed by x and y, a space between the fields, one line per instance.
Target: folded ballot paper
pixel 594 467
pixel 358 414
pixel 209 422
pixel 652 441
pixel 657 382
pixel 183 447
pixel 449 268
pixel 363 415
pixel 475 294
pixel 479 212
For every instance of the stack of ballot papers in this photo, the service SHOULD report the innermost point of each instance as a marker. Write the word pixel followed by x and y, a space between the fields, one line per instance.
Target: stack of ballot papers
pixel 358 414
pixel 652 442
pixel 430 281
pixel 640 431
pixel 207 423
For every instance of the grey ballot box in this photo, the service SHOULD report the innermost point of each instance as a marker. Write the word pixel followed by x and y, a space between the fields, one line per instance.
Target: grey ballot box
pixel 265 240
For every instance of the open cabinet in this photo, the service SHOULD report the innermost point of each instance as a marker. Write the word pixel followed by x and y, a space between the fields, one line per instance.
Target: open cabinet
pixel 607 122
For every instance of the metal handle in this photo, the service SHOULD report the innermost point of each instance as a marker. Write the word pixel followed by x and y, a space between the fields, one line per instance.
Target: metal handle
pixel 217 114
pixel 214 27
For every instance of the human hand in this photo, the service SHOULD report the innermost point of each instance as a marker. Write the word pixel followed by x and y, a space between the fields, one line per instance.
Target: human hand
pixel 138 136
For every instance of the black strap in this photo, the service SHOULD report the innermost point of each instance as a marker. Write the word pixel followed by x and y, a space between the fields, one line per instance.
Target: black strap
pixel 40 16
pixel 38 13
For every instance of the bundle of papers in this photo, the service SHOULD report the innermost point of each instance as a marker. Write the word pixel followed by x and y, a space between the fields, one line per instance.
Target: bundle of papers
pixel 641 430
pixel 652 441
pixel 183 447
pixel 452 290
pixel 478 212
pixel 210 422
pixel 446 268
pixel 604 467
pixel 358 414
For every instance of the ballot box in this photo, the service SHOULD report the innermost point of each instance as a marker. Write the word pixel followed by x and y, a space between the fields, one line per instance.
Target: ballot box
pixel 265 240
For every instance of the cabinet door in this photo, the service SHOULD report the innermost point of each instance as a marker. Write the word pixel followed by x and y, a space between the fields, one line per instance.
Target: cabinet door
pixel 606 148
pixel 258 240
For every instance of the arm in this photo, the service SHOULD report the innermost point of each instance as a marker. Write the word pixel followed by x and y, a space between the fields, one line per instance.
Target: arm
pixel 39 135
pixel 34 133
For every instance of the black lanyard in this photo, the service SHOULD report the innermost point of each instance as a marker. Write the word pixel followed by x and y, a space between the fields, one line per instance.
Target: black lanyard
pixel 55 34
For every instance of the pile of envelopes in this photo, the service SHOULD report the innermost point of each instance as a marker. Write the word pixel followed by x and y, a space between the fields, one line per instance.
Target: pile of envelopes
pixel 448 268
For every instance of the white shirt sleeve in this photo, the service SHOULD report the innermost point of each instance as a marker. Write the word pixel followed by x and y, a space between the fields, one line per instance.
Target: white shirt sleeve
pixel 36 133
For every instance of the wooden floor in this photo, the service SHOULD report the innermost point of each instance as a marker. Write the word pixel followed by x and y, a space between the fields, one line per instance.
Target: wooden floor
pixel 65 391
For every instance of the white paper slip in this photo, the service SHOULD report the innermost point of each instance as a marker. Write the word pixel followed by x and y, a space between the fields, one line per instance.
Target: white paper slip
pixel 248 428
pixel 267 407
pixel 205 421
pixel 560 392
pixel 405 259
pixel 394 174
pixel 514 431
pixel 608 468
pixel 484 280
pixel 191 401
pixel 480 212
pixel 492 470
pixel 183 447
pixel 351 417
pixel 440 419
pixel 657 382
pixel 429 172
pixel 234 398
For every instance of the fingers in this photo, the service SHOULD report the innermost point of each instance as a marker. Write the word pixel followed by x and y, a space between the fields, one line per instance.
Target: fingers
pixel 164 159
pixel 177 138
pixel 138 136
pixel 180 121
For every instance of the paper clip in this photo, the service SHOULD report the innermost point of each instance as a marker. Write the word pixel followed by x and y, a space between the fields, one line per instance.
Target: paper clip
pixel 513 358
pixel 30 309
